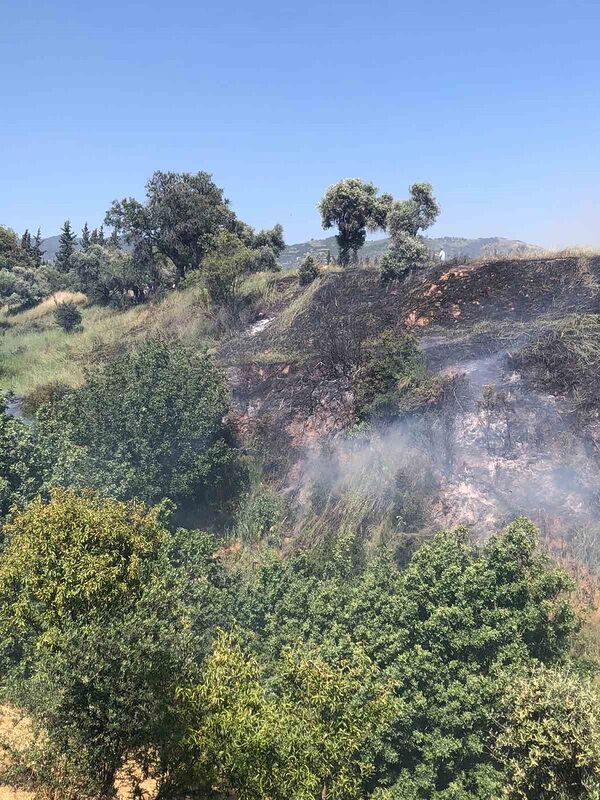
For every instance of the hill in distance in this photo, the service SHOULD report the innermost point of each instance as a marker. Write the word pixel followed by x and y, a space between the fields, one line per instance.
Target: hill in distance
pixel 453 246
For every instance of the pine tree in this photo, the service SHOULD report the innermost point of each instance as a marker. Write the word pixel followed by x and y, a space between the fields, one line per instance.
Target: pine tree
pixel 85 238
pixel 113 240
pixel 36 251
pixel 26 242
pixel 66 248
pixel 101 237
pixel 94 236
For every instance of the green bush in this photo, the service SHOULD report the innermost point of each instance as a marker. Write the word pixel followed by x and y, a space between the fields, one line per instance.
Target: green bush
pixel 392 372
pixel 307 271
pixel 260 517
pixel 68 316
pixel 150 425
pixel 100 619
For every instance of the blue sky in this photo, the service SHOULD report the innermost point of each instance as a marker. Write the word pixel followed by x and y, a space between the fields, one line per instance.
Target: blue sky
pixel 496 104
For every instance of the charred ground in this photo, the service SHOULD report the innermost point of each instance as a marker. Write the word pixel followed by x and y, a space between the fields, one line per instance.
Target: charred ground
pixel 517 433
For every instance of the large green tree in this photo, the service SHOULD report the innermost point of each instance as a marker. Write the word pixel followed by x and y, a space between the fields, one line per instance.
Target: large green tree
pixel 101 616
pixel 310 732
pixel 21 282
pixel 111 276
pixel 354 206
pixel 37 252
pixel 184 218
pixel 181 215
pixel 451 630
pixel 149 425
pixel 548 738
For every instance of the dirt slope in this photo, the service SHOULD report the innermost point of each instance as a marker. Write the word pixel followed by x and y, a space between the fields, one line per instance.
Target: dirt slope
pixel 516 447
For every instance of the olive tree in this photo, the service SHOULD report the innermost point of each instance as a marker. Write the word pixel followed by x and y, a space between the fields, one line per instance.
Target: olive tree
pixel 405 219
pixel 355 207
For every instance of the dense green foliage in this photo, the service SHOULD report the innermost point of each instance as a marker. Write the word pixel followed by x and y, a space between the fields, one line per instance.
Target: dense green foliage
pixel 24 280
pixel 110 276
pixel 182 219
pixel 302 732
pixel 103 612
pixel 67 316
pixel 404 221
pixel 307 271
pixel 19 476
pixel 548 736
pixel 355 207
pixel 234 257
pixel 447 631
pixel 348 676
pixel 147 425
pixel 66 248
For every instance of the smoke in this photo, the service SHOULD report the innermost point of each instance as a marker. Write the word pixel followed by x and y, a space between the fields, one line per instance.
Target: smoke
pixel 500 449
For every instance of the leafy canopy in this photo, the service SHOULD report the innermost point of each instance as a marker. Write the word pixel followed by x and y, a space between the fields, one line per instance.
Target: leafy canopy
pixel 148 424
pixel 355 207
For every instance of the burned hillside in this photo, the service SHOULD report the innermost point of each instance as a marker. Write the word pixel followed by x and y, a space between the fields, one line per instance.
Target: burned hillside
pixel 505 422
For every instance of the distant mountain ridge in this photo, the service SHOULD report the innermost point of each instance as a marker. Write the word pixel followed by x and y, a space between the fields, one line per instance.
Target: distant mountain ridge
pixel 453 246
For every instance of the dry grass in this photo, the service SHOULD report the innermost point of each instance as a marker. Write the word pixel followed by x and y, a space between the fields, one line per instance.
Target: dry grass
pixel 538 254
pixel 44 308
pixel 35 351
pixel 297 307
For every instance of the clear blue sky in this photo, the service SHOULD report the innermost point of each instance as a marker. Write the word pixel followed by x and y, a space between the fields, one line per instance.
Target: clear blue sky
pixel 496 104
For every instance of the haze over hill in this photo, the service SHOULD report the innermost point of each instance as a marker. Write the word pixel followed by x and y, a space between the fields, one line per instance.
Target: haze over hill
pixel 453 246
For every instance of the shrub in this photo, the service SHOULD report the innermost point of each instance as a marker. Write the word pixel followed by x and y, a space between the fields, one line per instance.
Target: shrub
pixel 393 369
pixel 68 316
pixel 406 253
pixel 260 517
pixel 308 271
pixel 101 618
pixel 549 738
pixel 149 425
pixel 43 394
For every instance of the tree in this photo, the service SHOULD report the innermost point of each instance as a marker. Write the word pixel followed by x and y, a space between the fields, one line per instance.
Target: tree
pixel 113 239
pixel 354 206
pixel 66 248
pixel 308 271
pixel 182 215
pixel 19 475
pixel 308 733
pixel 149 425
pixel 452 629
pixel 85 237
pixel 404 221
pixel 37 252
pixel 22 282
pixel 549 737
pixel 26 242
pixel 11 252
pixel 111 276
pixel 225 269
pixel 101 618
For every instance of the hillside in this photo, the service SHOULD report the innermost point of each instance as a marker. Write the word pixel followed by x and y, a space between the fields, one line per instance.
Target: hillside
pixel 453 246
pixel 514 342
pixel 349 421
